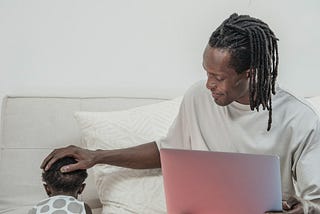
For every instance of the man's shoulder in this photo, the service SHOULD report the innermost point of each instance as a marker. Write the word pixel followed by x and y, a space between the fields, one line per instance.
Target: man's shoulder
pixel 299 104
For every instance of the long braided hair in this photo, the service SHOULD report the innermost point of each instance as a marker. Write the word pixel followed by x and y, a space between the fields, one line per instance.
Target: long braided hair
pixel 252 45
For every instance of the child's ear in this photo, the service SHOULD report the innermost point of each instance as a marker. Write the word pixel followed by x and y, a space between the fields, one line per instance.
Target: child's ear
pixel 47 188
pixel 81 188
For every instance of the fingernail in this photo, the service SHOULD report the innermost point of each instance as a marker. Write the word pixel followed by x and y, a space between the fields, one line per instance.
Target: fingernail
pixel 63 169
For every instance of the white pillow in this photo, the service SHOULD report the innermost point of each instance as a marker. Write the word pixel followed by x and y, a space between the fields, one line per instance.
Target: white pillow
pixel 124 190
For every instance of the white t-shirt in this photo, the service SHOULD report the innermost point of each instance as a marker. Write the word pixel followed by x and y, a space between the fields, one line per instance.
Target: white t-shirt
pixel 294 136
pixel 59 204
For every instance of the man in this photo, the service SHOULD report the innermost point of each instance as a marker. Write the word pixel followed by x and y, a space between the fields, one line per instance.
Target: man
pixel 241 61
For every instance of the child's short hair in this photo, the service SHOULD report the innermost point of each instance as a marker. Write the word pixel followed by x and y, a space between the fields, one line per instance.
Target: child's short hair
pixel 66 182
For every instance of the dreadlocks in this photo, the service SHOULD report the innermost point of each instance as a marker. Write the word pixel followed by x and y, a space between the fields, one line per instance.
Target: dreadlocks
pixel 253 46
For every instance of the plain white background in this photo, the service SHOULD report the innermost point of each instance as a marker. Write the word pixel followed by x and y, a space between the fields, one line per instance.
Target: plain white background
pixel 85 48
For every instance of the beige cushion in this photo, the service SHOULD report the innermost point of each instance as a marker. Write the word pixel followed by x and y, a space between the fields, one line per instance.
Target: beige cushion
pixel 124 190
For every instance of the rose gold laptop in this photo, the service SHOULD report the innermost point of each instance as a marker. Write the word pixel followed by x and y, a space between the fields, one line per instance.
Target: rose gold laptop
pixel 203 182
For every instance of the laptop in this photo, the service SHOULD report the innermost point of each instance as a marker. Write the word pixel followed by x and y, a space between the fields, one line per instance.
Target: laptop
pixel 206 182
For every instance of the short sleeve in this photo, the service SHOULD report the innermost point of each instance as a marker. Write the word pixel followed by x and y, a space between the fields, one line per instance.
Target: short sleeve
pixel 178 135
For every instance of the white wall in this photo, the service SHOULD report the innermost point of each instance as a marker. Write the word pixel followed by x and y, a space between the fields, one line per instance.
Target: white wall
pixel 78 47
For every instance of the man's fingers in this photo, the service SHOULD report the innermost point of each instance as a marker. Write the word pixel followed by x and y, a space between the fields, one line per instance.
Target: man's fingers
pixel 54 156
pixel 297 209
pixel 292 201
pixel 51 161
pixel 82 156
pixel 46 160
pixel 69 168
pixel 285 205
pixel 293 206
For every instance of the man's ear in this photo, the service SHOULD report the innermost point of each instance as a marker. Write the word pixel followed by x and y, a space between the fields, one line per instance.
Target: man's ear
pixel 81 188
pixel 47 188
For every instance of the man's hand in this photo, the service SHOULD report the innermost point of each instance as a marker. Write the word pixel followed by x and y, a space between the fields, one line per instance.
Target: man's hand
pixel 291 206
pixel 84 158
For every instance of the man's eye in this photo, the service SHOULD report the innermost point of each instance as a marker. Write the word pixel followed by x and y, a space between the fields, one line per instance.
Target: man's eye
pixel 210 75
pixel 215 77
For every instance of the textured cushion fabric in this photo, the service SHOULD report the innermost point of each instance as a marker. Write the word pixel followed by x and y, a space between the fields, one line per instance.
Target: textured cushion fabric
pixel 124 190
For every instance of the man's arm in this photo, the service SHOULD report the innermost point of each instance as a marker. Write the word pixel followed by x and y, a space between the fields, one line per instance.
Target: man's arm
pixel 145 156
pixel 295 205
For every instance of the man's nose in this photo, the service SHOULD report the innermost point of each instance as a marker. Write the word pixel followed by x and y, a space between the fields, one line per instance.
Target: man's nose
pixel 211 84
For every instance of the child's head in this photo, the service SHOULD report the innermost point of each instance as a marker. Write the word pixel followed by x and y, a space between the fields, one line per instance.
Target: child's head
pixel 58 183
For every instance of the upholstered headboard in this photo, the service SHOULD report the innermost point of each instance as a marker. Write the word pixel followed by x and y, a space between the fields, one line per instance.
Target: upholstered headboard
pixel 31 127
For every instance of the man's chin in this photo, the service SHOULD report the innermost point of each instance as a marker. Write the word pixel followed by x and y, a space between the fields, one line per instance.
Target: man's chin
pixel 220 102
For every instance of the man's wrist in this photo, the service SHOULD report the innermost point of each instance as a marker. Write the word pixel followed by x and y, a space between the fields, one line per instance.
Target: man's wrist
pixel 97 156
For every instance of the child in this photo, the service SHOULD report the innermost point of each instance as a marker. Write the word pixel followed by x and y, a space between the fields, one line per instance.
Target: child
pixel 63 190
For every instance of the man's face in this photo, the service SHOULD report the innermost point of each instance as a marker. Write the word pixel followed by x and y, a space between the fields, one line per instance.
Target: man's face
pixel 224 83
